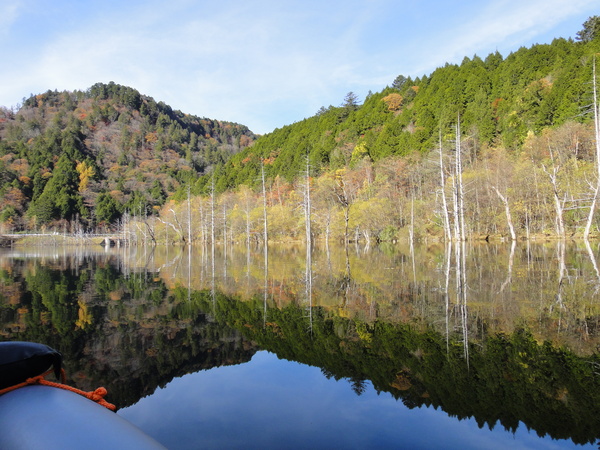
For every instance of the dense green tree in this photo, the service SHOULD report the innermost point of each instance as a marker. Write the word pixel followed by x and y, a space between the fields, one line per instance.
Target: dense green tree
pixel 158 193
pixel 138 205
pixel 591 29
pixel 107 208
pixel 60 198
pixel 43 210
pixel 399 82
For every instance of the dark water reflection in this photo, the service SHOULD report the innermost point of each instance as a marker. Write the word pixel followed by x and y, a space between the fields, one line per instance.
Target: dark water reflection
pixel 502 337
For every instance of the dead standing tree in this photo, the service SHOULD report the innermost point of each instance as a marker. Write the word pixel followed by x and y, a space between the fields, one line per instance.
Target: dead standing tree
pixel 590 219
pixel 307 206
pixel 456 230
pixel 509 221
pixel 345 191
pixel 459 194
pixel 445 213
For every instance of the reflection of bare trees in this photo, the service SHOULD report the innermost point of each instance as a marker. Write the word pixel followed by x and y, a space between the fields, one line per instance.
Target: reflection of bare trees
pixel 594 263
pixel 189 274
pixel 265 279
pixel 466 290
pixel 446 290
pixel 562 274
pixel 455 258
pixel 460 305
pixel 511 258
pixel 308 282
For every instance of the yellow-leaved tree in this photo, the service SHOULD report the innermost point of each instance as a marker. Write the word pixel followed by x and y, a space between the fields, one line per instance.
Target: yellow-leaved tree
pixel 86 172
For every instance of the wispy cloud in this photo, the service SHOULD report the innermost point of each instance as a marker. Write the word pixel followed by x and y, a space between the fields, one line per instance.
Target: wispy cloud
pixel 503 25
pixel 261 63
pixel 8 14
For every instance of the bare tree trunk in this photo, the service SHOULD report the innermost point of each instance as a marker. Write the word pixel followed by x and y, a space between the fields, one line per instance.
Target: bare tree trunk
pixel 212 228
pixel 343 198
pixel 169 224
pixel 166 232
pixel 189 214
pixel 307 207
pixel 346 221
pixel 212 212
pixel 511 228
pixel 590 219
pixel 202 233
pixel 455 215
pixel 558 207
pixel 460 190
pixel 248 230
pixel 225 228
pixel 445 215
pixel 150 232
pixel 327 229
pixel 264 195
pixel 411 230
pixel 179 228
pixel 539 201
pixel 265 243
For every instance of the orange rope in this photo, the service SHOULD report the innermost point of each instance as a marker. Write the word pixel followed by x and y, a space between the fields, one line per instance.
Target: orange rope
pixel 96 396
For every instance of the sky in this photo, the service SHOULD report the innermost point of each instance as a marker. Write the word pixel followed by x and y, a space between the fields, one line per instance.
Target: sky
pixel 261 63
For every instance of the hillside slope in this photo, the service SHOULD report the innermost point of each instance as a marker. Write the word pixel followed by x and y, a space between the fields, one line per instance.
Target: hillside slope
pixel 500 101
pixel 383 168
pixel 86 157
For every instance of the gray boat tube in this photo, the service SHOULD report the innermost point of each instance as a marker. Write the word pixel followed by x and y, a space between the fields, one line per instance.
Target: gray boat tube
pixel 45 417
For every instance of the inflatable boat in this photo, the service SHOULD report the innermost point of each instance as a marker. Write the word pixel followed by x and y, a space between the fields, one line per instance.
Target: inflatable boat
pixel 38 413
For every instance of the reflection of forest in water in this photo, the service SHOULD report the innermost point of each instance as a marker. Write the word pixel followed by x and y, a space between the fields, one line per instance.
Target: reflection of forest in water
pixel 499 332
pixel 550 289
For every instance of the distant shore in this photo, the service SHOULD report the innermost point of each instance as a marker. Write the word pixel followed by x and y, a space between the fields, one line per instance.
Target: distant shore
pixel 11 240
pixel 115 240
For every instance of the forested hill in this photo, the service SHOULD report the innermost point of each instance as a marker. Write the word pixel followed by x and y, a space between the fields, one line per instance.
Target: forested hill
pixel 500 102
pixel 378 167
pixel 85 157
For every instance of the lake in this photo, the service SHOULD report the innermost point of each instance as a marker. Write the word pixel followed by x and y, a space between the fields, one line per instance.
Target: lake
pixel 483 345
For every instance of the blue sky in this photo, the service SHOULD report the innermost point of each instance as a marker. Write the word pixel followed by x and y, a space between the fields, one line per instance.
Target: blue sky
pixel 262 63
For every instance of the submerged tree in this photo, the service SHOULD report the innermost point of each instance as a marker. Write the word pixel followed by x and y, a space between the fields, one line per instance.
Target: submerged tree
pixel 596 116
pixel 459 195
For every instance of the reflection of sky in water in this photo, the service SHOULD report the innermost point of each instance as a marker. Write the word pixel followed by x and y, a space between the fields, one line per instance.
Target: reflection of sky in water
pixel 272 403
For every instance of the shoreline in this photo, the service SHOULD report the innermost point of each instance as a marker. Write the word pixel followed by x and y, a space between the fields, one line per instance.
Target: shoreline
pixel 16 240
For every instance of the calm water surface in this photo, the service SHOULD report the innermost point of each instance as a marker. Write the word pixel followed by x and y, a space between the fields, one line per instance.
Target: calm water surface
pixel 484 346
pixel 273 403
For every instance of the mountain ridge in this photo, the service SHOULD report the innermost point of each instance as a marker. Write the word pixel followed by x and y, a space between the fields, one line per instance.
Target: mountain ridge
pixel 82 160
pixel 123 151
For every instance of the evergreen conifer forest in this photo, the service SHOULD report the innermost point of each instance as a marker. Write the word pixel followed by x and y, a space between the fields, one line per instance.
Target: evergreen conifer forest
pixel 492 147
